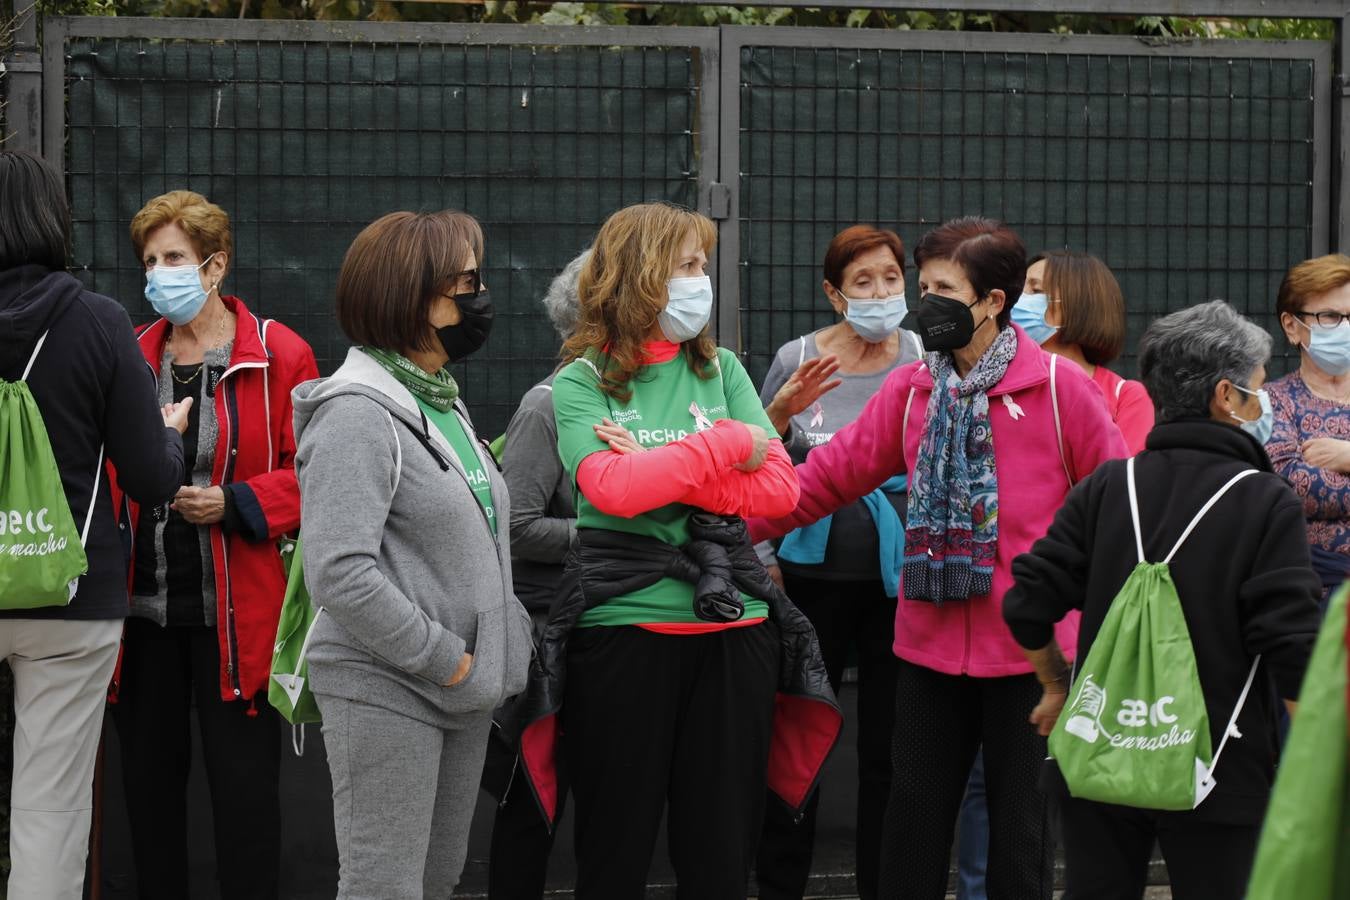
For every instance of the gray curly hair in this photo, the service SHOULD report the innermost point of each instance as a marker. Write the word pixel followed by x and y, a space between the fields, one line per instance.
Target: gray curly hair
pixel 561 300
pixel 1183 357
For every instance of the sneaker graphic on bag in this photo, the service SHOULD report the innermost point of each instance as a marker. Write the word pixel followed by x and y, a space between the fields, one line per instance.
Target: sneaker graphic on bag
pixel 1085 720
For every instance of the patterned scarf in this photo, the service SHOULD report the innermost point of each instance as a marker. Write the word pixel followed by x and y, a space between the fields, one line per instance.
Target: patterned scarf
pixel 951 535
pixel 437 391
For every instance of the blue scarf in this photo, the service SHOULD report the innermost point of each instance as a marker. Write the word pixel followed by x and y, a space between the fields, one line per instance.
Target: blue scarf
pixel 951 537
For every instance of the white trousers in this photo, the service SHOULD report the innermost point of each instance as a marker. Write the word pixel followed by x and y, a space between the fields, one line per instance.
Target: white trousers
pixel 61 675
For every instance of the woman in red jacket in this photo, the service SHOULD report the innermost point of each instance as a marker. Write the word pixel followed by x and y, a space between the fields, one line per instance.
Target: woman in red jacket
pixel 206 577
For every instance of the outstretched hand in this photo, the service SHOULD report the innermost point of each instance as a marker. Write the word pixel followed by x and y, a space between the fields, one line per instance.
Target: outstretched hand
pixel 176 414
pixel 807 385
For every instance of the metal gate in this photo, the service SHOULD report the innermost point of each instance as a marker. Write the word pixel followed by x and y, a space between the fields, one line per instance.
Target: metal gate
pixel 305 132
pixel 1196 169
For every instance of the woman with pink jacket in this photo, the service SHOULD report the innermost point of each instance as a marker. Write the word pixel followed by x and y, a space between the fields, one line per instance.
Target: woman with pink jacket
pixel 990 457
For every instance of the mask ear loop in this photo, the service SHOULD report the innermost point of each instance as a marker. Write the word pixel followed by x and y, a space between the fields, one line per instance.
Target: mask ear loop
pixel 1232 414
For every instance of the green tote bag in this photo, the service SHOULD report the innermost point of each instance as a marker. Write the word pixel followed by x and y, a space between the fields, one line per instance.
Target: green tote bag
pixel 41 553
pixel 1136 730
pixel 1305 842
pixel 288 689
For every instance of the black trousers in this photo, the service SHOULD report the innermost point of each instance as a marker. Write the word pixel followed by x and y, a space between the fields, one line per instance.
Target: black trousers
pixel 165 671
pixel 940 723
pixel 846 614
pixel 679 723
pixel 1107 850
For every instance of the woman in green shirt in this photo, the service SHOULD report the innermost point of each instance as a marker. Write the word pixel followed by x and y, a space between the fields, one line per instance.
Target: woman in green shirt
pixel 668 706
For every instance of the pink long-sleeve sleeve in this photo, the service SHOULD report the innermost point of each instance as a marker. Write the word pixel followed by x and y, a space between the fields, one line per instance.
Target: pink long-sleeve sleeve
pixel 1134 415
pixel 630 484
pixel 770 490
pixel 858 459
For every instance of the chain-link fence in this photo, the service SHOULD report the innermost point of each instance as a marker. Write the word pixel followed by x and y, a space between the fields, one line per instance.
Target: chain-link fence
pixel 304 142
pixel 1193 174
pixel 1195 169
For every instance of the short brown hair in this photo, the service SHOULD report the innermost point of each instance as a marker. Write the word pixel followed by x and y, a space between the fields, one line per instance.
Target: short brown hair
pixel 206 225
pixel 1309 279
pixel 622 290
pixel 1091 306
pixel 395 269
pixel 989 252
pixel 854 241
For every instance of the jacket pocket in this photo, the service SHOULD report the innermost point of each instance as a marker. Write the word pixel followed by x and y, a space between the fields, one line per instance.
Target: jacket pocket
pixel 519 648
pixel 481 688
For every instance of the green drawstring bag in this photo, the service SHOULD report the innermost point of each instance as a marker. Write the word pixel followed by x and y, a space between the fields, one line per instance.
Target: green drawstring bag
pixel 41 553
pixel 1305 842
pixel 288 689
pixel 1136 730
pixel 497 448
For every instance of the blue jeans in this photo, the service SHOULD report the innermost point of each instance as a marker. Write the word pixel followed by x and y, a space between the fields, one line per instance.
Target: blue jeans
pixel 973 837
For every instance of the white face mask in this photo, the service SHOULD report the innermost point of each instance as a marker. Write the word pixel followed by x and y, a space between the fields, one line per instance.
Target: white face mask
pixel 688 308
pixel 1328 347
pixel 875 320
pixel 1262 426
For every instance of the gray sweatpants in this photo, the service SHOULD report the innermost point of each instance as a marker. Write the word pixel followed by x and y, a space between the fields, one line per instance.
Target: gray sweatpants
pixel 403 797
pixel 61 675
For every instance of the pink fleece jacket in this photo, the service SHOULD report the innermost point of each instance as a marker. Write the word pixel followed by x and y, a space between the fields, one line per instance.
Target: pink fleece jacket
pixel 968 637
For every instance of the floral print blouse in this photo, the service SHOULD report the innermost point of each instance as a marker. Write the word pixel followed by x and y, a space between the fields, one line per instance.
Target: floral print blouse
pixel 1300 415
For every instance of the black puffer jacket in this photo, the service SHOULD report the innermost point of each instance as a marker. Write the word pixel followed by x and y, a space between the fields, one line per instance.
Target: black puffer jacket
pixel 721 563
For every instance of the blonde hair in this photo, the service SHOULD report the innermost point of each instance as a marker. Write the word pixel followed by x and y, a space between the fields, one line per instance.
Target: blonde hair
pixel 206 225
pixel 1309 279
pixel 622 290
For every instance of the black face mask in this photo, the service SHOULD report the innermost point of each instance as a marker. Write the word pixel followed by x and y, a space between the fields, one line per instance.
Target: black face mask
pixel 942 323
pixel 471 333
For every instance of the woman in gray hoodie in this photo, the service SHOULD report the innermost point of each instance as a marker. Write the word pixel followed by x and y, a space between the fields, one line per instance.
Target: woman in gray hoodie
pixel 407 550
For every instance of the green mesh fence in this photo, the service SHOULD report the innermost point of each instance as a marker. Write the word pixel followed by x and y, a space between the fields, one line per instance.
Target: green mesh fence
pixel 1191 177
pixel 304 143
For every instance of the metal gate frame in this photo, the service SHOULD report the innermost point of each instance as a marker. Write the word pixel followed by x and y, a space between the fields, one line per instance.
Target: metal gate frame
pixel 719 50
pixel 735 38
pixel 58 29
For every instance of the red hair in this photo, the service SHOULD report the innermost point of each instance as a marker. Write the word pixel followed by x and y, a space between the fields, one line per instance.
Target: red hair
pixel 854 241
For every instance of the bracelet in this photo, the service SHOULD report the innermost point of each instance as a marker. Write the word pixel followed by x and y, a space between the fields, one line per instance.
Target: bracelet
pixel 1062 677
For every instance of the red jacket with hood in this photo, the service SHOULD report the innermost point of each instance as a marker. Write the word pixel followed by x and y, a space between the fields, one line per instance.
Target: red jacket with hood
pixel 255 463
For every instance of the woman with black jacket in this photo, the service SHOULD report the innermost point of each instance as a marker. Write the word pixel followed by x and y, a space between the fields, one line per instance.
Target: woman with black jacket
pixel 1246 588
pixel 97 401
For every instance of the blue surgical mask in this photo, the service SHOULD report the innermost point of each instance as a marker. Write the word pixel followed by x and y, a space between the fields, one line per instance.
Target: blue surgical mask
pixel 175 292
pixel 875 320
pixel 1028 313
pixel 688 309
pixel 1259 428
pixel 1329 347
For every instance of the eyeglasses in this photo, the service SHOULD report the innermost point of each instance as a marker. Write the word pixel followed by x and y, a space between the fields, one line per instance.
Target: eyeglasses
pixel 474 274
pixel 1326 318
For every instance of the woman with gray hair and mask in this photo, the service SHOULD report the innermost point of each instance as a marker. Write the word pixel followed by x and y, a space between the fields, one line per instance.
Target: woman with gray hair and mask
pixel 1246 587
pixel 543 528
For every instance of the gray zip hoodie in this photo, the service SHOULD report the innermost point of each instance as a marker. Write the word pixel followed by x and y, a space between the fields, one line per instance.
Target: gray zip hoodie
pixel 398 552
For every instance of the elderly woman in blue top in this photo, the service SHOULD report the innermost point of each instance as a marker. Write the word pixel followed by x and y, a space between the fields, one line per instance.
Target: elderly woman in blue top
pixel 843 571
